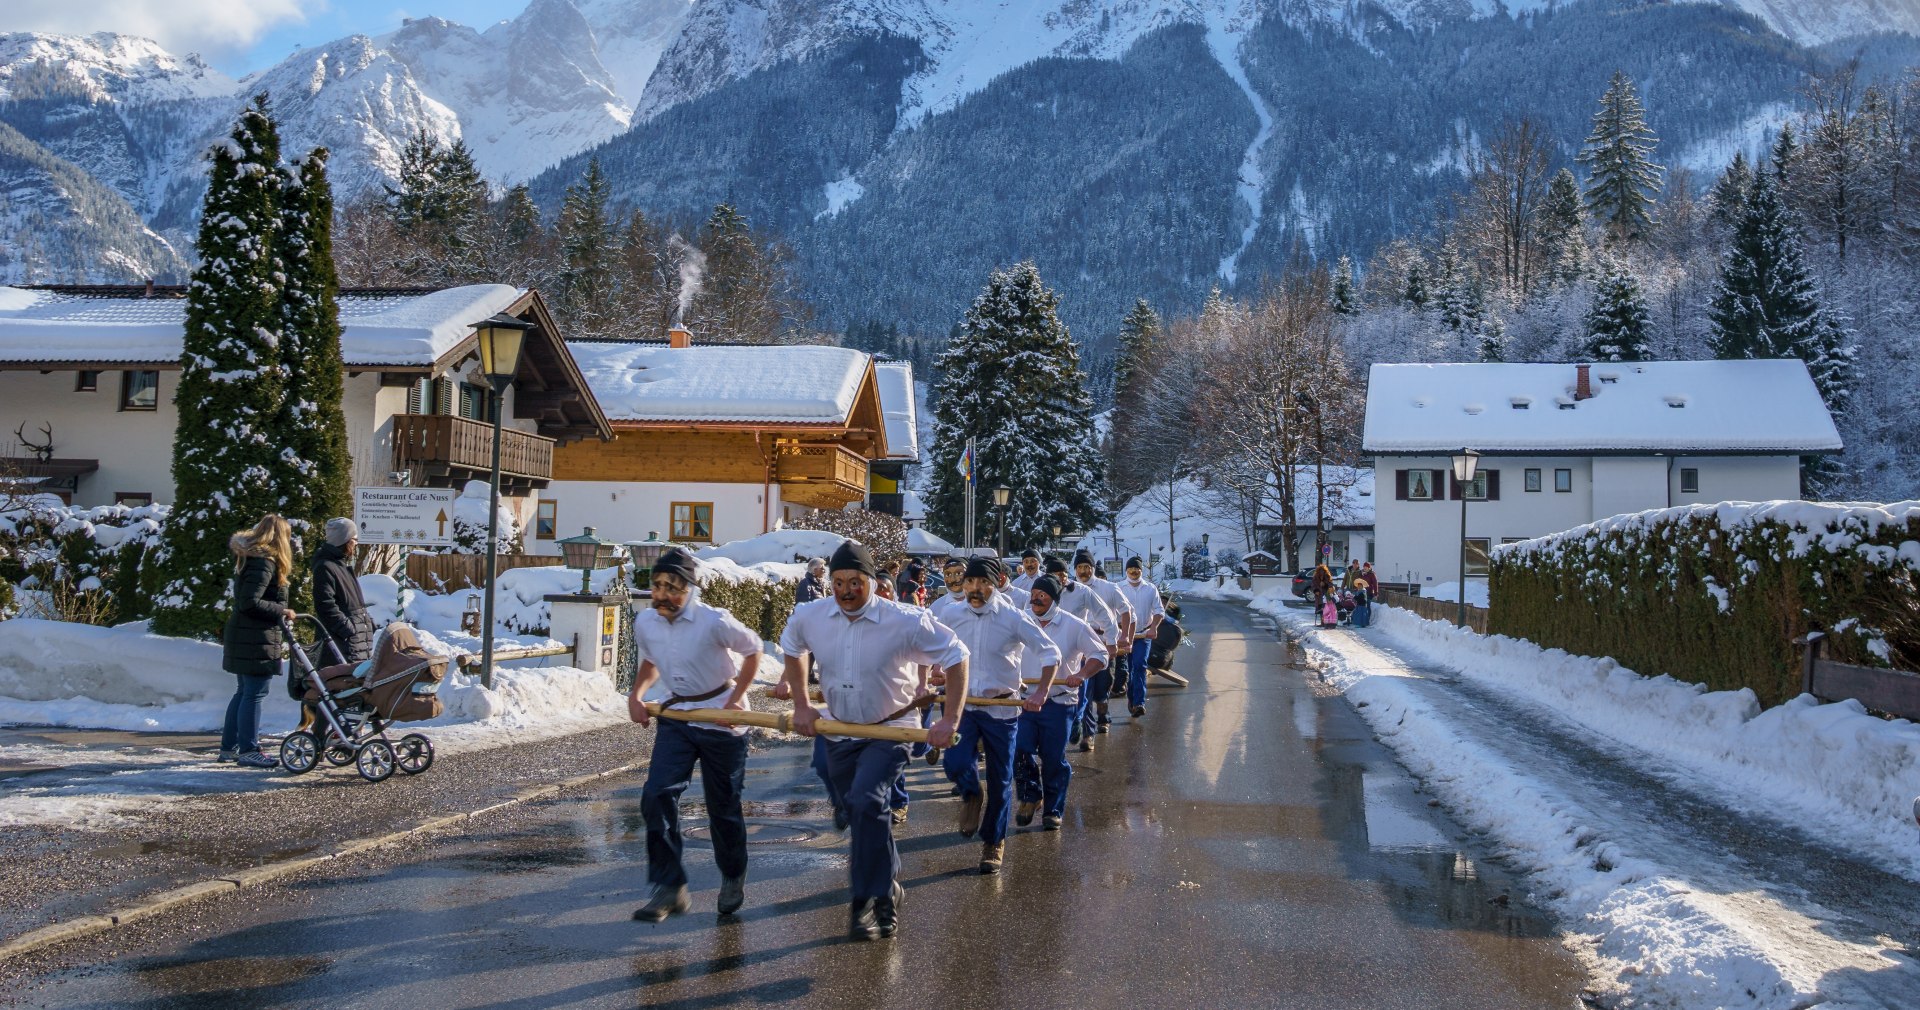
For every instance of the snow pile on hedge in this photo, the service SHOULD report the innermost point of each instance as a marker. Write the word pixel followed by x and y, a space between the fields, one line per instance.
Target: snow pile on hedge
pixel 779 547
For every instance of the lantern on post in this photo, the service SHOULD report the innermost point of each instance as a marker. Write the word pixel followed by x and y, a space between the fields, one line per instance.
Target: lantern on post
pixel 1001 496
pixel 644 554
pixel 587 552
pixel 470 617
pixel 1466 463
pixel 500 339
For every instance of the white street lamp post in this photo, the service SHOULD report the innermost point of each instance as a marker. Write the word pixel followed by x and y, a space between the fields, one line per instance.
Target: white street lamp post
pixel 1465 463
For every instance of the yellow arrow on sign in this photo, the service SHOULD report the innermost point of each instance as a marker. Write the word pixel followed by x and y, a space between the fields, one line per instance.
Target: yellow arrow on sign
pixel 442 520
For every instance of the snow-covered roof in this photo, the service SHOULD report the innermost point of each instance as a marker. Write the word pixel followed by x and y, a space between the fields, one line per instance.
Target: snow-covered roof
pixel 919 541
pixel 1349 497
pixel 1651 406
pixel 781 384
pixel 376 329
pixel 895 381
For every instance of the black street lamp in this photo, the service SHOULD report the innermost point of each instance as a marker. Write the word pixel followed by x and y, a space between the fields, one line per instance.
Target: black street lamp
pixel 501 338
pixel 1465 463
pixel 1055 544
pixel 1206 552
pixel 587 552
pixel 1001 496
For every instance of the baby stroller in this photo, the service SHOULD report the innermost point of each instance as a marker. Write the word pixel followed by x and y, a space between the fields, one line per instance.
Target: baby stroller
pixel 356 702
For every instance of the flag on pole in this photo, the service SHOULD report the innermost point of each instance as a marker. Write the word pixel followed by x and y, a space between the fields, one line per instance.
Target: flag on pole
pixel 966 462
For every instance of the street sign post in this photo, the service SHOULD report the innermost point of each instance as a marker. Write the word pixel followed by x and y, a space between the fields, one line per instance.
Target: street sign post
pixel 413 516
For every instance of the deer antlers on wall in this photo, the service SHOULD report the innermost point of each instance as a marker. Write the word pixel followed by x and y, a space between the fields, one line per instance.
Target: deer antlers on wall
pixel 42 451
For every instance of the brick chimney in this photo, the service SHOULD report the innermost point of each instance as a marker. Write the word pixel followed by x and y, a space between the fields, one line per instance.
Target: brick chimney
pixel 149 293
pixel 1583 386
pixel 679 336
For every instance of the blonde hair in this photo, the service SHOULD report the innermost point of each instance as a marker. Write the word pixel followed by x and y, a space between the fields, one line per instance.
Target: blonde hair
pixel 272 539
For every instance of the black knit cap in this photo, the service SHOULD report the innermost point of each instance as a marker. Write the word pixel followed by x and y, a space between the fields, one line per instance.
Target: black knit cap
pixel 981 568
pixel 1084 557
pixel 1029 553
pixel 1046 584
pixel 1134 562
pixel 1055 566
pixel 677 562
pixel 853 556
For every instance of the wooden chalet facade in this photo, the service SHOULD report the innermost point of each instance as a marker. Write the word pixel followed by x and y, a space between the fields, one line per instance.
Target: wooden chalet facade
pixel 716 443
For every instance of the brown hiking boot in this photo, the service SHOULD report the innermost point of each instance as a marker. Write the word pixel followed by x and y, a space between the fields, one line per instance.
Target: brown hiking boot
pixel 971 807
pixel 990 853
pixel 899 816
pixel 1024 815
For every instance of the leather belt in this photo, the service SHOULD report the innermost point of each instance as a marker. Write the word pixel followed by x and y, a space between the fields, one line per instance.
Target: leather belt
pixel 681 699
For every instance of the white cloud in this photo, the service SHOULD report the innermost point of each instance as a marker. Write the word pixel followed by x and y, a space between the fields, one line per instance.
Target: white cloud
pixel 213 28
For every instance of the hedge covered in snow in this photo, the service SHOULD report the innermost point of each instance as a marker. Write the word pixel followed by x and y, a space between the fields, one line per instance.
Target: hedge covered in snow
pixel 1715 594
pixel 82 563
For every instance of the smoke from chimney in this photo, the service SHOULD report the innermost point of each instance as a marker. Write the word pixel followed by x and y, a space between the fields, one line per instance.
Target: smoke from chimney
pixel 693 270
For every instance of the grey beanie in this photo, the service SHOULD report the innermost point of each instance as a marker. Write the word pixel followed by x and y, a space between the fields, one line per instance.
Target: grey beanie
pixel 339 531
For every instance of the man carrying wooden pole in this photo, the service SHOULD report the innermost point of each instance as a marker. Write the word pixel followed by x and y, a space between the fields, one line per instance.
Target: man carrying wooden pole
pixel 869 651
pixel 692 646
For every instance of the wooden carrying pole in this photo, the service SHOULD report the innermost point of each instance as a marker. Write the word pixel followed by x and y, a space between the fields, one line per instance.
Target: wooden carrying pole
pixel 974 700
pixel 783 721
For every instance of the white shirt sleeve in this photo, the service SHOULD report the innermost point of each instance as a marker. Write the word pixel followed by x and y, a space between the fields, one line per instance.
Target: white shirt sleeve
pixel 734 636
pixel 1090 648
pixel 793 638
pixel 1035 637
pixel 935 644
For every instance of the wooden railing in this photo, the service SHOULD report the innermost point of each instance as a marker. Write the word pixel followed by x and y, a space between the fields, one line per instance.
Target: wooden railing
pixel 443 445
pixel 1436 610
pixel 834 463
pixel 1894 692
pixel 451 573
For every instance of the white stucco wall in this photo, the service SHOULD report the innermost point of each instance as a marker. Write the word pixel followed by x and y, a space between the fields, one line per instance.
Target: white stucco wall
pixel 134 447
pixel 629 510
pixel 1739 478
pixel 1627 484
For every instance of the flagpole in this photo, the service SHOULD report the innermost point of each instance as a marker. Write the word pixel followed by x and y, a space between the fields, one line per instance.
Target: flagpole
pixel 972 465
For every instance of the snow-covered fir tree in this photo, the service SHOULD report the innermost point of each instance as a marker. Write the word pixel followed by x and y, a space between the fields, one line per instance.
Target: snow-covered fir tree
pixel 227 449
pixel 413 194
pixel 1138 332
pixel 585 288
pixel 1563 238
pixel 1416 289
pixel 1011 381
pixel 1622 178
pixel 316 468
pixel 1619 327
pixel 1766 304
pixel 1728 199
pixel 1345 298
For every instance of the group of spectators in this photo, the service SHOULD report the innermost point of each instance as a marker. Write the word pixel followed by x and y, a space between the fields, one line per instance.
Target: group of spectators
pixel 1344 598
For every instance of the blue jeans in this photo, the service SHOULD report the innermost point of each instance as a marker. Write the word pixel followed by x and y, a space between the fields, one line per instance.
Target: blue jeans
pixel 1040 765
pixel 1095 691
pixel 1137 672
pixel 863 773
pixel 722 757
pixel 996 735
pixel 241 732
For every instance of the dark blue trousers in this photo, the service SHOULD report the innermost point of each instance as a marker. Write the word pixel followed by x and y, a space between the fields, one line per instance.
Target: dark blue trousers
pixel 995 736
pixel 1093 692
pixel 898 798
pixel 1040 765
pixel 863 773
pixel 1137 672
pixel 722 757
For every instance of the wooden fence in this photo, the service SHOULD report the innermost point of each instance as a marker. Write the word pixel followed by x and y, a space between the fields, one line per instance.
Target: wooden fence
pixel 1893 692
pixel 1436 610
pixel 449 573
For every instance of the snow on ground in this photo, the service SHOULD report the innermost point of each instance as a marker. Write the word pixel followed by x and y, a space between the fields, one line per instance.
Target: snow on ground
pixel 780 546
pixel 1676 922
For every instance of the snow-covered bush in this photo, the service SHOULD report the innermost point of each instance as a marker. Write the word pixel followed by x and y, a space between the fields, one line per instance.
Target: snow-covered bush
pixel 1193 563
pixel 761 596
pixel 1715 594
pixel 470 523
pixel 885 535
pixel 84 564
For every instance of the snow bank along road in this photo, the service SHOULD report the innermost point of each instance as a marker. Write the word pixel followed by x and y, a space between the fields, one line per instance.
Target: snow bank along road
pixel 1692 888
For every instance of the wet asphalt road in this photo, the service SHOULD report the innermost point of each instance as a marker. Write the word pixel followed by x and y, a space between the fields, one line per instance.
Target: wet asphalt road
pixel 1246 844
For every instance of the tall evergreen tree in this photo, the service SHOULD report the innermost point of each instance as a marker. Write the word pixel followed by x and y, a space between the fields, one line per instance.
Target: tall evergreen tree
pixel 1131 361
pixel 412 198
pixel 459 212
pixel 1728 200
pixel 232 392
pixel 1786 151
pixel 1765 305
pixel 1563 240
pixel 1618 324
pixel 1011 381
pixel 585 286
pixel 644 295
pixel 739 300
pixel 1622 177
pixel 1416 290
pixel 316 468
pixel 1344 297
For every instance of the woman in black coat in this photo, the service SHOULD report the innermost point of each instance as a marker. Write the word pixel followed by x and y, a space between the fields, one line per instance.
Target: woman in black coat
pixel 252 644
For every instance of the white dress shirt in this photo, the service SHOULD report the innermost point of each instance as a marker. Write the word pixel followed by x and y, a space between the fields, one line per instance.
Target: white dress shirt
pixel 1024 582
pixel 999 637
pixel 1085 604
pixel 695 652
pixel 869 660
pixel 1076 641
pixel 1019 597
pixel 1116 602
pixel 1145 597
pixel 948 602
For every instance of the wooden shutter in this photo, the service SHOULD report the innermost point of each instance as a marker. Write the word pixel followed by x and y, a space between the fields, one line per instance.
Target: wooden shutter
pixel 1455 491
pixel 1399 485
pixel 1493 485
pixel 1439 479
pixel 443 396
pixel 416 396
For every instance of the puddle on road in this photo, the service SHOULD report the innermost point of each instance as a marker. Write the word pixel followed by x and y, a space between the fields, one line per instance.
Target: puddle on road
pixel 230 975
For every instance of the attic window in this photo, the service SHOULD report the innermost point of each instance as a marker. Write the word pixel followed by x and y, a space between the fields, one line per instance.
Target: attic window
pixel 1676 402
pixel 1474 408
pixel 1420 401
pixel 1521 403
pixel 1567 405
pixel 1609 378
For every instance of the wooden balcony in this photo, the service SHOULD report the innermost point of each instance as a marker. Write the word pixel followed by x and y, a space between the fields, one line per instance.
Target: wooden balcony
pixel 822 476
pixel 447 451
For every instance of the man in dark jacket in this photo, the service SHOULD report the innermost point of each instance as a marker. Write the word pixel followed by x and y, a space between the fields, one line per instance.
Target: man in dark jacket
pixel 814 585
pixel 337 601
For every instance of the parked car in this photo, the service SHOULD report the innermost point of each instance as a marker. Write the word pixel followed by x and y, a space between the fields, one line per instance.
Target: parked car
pixel 1302 584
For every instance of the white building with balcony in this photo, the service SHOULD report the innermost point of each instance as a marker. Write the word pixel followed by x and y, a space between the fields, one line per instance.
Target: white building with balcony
pixel 1562 445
